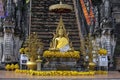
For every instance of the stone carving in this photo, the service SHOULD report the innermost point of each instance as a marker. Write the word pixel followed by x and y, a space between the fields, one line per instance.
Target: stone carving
pixel 107 8
pixel 8 43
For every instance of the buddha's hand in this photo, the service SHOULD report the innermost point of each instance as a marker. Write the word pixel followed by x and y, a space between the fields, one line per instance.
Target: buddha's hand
pixel 54 34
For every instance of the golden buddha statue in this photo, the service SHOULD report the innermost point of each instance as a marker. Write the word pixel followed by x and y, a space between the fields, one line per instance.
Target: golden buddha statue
pixel 60 40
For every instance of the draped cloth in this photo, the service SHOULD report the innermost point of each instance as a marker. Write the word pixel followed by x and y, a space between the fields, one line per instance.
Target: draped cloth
pixel 1 9
pixel 65 48
pixel 88 14
pixel 62 44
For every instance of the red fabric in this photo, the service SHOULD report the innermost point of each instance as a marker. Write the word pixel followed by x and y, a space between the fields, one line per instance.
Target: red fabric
pixel 88 16
pixel 91 11
pixel 1 8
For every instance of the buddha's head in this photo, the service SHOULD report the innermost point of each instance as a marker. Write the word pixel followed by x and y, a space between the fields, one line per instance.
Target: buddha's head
pixel 61 32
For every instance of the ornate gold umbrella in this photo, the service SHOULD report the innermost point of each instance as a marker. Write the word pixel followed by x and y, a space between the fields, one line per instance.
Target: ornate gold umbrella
pixel 60 8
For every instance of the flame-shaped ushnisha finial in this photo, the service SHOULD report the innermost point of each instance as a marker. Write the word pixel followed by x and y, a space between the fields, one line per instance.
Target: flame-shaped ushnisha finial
pixel 61 26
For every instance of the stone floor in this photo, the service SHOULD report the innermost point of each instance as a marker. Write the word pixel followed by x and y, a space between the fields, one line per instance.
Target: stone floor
pixel 10 75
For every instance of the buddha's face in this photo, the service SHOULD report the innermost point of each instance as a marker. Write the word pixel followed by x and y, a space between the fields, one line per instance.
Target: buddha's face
pixel 60 32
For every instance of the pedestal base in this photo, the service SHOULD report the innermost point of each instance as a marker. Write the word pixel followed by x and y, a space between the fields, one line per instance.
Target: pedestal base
pixel 61 64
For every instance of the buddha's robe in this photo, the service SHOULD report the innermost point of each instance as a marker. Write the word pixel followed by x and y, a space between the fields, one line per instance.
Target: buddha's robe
pixel 62 44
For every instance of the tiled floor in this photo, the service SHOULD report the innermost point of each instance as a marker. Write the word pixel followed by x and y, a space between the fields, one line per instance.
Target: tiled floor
pixel 8 75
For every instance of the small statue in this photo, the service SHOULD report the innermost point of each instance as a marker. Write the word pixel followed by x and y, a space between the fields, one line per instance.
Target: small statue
pixel 60 40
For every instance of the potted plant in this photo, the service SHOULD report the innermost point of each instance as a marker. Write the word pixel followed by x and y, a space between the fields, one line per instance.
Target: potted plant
pixel 32 45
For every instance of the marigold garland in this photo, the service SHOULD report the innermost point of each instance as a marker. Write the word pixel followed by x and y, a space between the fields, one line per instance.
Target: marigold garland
pixel 61 73
pixel 56 73
pixel 58 54
pixel 102 51
pixel 21 50
pixel 11 67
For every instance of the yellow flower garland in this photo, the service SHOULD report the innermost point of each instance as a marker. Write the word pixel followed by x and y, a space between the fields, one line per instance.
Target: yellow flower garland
pixel 11 67
pixel 102 51
pixel 21 50
pixel 61 73
pixel 56 73
pixel 58 54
